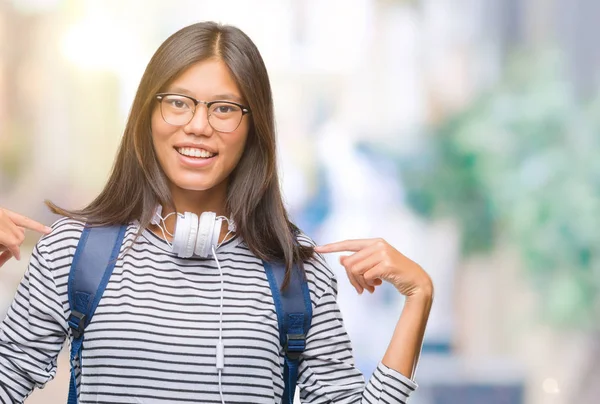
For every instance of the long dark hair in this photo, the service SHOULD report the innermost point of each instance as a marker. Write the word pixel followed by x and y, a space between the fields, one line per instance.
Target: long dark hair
pixel 137 182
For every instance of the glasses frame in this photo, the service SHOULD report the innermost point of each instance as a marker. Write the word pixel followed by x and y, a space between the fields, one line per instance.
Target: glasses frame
pixel 245 109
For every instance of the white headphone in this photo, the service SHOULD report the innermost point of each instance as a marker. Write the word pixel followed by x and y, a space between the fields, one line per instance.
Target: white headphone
pixel 202 238
pixel 193 235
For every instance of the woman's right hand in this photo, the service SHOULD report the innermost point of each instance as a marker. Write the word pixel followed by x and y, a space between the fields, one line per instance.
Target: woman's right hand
pixel 12 233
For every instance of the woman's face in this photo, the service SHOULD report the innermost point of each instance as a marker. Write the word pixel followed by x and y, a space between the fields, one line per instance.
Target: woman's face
pixel 194 156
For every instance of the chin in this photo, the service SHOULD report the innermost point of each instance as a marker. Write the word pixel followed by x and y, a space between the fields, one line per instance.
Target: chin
pixel 196 184
pixel 196 187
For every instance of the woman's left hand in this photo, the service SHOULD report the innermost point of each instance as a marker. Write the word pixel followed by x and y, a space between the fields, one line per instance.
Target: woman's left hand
pixel 374 261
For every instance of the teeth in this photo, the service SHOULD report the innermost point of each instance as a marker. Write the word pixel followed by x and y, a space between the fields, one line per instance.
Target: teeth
pixel 193 152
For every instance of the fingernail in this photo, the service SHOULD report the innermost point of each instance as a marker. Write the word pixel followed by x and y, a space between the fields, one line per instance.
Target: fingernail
pixel 48 229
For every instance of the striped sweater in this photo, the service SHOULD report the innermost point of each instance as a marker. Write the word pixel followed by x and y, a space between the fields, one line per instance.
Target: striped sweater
pixel 153 336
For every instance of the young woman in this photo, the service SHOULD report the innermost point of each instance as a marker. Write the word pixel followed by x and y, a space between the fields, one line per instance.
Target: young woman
pixel 200 138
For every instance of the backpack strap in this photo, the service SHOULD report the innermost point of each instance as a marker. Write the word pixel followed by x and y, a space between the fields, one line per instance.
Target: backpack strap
pixel 294 315
pixel 93 263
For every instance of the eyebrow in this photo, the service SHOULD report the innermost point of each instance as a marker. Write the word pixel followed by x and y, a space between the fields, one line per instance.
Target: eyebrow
pixel 225 96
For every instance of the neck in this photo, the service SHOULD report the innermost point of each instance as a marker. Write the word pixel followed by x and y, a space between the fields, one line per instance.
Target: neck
pixel 213 200
pixel 195 202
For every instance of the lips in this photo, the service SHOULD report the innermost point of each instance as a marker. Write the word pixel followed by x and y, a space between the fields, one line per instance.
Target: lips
pixel 195 152
pixel 195 157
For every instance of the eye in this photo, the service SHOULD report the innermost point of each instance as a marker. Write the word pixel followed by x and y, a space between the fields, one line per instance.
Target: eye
pixel 177 102
pixel 225 109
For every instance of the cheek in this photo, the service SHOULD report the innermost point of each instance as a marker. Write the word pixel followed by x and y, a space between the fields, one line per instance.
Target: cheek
pixel 159 132
pixel 156 124
pixel 238 145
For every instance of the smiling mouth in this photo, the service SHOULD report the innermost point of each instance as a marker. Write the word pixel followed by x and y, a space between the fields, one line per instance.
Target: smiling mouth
pixel 194 152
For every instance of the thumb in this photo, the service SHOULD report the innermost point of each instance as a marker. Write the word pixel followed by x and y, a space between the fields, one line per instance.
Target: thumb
pixel 5 256
pixel 343 258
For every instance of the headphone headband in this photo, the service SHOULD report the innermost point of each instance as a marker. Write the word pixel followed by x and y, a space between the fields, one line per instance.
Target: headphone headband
pixel 193 235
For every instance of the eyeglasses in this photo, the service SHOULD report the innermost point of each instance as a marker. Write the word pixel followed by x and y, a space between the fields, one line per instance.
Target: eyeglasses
pixel 223 116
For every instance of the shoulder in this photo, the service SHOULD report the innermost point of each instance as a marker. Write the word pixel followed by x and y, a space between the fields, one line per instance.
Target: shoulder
pixel 65 234
pixel 58 248
pixel 54 252
pixel 318 272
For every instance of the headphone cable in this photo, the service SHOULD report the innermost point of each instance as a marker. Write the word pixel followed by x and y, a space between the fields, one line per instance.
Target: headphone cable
pixel 220 347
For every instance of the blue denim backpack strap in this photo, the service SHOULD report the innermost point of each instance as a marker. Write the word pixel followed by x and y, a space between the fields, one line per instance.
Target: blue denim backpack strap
pixel 294 315
pixel 93 263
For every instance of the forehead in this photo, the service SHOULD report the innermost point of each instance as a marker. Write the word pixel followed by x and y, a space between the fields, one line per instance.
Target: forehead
pixel 206 80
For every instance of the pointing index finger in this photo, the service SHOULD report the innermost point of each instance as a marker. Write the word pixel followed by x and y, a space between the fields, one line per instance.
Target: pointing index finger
pixel 346 245
pixel 28 223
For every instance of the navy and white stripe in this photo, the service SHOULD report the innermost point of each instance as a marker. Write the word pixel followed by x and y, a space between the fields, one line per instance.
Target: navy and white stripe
pixel 153 336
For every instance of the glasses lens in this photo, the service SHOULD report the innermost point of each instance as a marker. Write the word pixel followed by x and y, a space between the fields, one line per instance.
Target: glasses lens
pixel 224 117
pixel 177 110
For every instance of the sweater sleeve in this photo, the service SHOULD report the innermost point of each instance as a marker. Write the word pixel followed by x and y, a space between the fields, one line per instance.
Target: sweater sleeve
pixel 327 373
pixel 31 334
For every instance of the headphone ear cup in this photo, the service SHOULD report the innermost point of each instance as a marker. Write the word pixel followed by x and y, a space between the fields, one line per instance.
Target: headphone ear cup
pixel 205 234
pixel 216 232
pixel 191 241
pixel 181 233
pixel 186 231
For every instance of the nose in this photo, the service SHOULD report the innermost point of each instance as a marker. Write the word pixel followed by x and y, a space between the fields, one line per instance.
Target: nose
pixel 199 125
